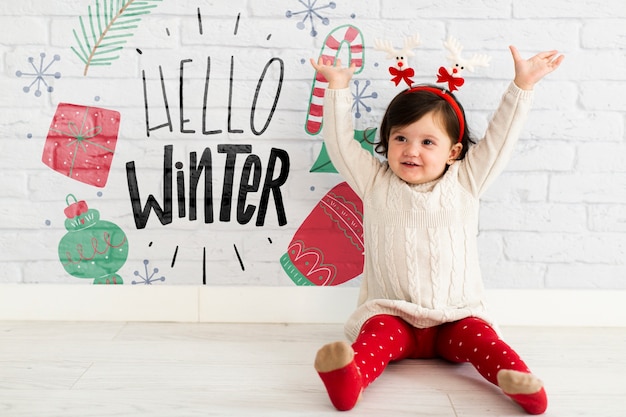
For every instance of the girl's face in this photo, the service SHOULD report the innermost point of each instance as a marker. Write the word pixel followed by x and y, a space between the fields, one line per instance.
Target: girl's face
pixel 419 152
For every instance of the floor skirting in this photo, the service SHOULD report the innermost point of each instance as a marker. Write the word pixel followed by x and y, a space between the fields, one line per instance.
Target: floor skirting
pixel 244 304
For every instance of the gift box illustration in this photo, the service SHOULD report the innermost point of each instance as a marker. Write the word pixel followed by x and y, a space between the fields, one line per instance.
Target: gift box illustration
pixel 327 249
pixel 81 142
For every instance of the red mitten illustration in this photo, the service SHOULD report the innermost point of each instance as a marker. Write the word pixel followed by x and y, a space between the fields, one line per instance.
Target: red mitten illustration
pixel 327 248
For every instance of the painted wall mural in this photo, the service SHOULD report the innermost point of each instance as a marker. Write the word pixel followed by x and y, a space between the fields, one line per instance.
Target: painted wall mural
pixel 92 248
pixel 195 127
pixel 106 29
pixel 328 247
pixel 81 143
pixel 207 115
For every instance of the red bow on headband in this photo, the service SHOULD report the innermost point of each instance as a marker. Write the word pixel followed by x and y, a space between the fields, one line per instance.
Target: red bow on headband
pixel 400 75
pixel 445 77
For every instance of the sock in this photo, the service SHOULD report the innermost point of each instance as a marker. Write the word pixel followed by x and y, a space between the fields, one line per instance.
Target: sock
pixel 336 367
pixel 347 370
pixel 473 340
pixel 534 404
pixel 525 389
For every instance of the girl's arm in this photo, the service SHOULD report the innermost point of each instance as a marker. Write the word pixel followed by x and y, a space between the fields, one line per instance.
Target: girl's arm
pixel 484 161
pixel 529 72
pixel 355 164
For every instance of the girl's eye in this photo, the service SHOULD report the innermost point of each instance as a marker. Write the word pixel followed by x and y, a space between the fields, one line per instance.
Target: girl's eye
pixel 427 142
pixel 400 138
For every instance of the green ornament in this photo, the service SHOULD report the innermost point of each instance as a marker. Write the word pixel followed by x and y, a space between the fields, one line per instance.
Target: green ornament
pixel 92 248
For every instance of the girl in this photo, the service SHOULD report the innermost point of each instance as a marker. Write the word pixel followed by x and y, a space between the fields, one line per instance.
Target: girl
pixel 422 292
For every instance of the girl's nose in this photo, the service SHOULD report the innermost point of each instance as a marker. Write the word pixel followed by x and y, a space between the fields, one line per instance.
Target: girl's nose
pixel 411 150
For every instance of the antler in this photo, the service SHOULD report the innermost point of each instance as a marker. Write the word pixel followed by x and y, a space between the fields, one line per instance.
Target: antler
pixel 455 48
pixel 385 46
pixel 410 43
pixel 477 60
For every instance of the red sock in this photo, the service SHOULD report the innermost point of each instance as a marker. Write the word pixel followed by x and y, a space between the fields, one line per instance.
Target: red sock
pixel 536 403
pixel 344 386
pixel 473 340
pixel 382 339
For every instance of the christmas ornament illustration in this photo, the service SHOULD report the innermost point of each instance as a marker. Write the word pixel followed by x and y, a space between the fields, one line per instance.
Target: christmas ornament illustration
pixel 92 248
pixel 401 70
pixel 81 142
pixel 327 249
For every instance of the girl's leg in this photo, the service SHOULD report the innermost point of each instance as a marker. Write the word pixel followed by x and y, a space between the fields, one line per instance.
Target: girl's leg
pixel 347 370
pixel 473 340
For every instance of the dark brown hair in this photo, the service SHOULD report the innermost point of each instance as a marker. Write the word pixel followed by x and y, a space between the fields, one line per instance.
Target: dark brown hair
pixel 411 105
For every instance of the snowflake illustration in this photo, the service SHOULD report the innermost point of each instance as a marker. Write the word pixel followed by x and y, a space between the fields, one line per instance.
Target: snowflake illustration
pixel 310 13
pixel 360 97
pixel 148 278
pixel 40 74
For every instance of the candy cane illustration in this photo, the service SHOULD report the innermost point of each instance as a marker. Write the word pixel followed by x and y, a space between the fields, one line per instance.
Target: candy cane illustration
pixel 340 36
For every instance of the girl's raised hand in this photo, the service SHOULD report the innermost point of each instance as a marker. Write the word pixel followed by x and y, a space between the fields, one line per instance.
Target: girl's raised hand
pixel 336 75
pixel 528 72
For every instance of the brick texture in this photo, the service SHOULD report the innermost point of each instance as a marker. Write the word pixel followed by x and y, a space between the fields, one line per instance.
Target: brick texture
pixel 554 219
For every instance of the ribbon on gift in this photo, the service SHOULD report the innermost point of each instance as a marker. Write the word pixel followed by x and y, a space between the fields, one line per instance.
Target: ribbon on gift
pixel 81 136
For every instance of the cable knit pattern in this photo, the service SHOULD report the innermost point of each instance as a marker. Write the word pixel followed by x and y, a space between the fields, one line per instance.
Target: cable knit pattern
pixel 412 264
pixel 421 255
pixel 393 278
pixel 375 233
pixel 434 240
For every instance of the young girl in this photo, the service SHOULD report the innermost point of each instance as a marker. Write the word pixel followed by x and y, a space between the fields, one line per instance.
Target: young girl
pixel 422 292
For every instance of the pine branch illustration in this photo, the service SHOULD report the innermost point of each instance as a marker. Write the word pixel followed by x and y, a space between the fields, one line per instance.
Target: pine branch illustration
pixel 107 28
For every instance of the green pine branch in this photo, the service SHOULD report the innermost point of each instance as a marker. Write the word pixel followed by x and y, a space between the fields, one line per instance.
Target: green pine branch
pixel 107 27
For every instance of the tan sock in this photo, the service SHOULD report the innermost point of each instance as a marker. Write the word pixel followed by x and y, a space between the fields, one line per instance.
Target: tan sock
pixel 335 364
pixel 333 356
pixel 515 382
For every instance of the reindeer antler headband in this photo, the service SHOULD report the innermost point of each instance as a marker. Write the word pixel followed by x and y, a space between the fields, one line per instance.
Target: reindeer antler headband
pixel 451 76
pixel 401 71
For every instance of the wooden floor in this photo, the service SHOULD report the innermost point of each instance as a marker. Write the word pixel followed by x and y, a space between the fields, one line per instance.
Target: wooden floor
pixel 101 369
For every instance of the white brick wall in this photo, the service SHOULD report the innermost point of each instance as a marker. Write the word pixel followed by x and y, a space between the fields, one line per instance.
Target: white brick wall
pixel 554 219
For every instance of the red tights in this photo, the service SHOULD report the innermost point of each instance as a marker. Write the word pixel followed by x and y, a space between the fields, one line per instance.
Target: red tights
pixel 385 338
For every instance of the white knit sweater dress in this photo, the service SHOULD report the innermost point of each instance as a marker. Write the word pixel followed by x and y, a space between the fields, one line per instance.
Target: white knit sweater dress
pixel 421 255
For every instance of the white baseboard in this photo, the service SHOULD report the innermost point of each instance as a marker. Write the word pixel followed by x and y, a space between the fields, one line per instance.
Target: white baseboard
pixel 283 304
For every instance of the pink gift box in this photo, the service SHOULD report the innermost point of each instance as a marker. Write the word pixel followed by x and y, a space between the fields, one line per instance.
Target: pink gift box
pixel 81 142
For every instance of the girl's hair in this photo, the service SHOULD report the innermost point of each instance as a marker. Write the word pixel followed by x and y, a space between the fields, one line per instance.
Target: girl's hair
pixel 410 106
